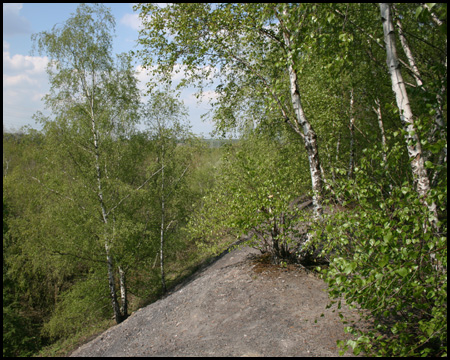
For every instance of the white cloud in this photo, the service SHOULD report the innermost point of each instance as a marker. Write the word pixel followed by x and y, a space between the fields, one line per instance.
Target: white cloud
pixel 24 63
pixel 194 98
pixel 132 21
pixel 23 70
pixel 187 94
pixel 143 77
pixel 14 80
pixel 24 84
pixel 178 72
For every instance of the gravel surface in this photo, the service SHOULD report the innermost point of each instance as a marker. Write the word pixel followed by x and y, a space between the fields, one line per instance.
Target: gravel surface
pixel 237 306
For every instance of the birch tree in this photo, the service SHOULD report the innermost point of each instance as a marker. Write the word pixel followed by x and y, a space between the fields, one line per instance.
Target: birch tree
pixel 94 103
pixel 433 86
pixel 414 147
pixel 253 49
pixel 165 117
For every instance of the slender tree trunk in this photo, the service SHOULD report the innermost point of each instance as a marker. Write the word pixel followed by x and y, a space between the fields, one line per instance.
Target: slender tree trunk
pixel 161 252
pixel 438 126
pixel 112 286
pixel 311 146
pixel 309 135
pixel 408 53
pixel 338 144
pixel 377 111
pixel 415 153
pixel 123 294
pixel 163 277
pixel 414 147
pixel 109 260
pixel 351 164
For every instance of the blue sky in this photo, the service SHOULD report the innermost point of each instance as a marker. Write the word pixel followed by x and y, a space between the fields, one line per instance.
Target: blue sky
pixel 25 81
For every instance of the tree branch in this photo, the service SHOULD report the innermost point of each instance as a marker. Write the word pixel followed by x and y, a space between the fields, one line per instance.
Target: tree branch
pixel 178 181
pixel 138 188
pixel 371 38
pixel 56 252
pixel 57 192
pixel 273 95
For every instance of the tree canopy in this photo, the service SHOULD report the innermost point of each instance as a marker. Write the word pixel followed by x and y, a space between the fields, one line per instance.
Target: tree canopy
pixel 340 166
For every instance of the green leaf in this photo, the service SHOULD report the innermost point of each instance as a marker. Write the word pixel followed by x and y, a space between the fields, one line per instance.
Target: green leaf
pixel 384 261
pixel 402 272
pixel 350 267
pixel 388 237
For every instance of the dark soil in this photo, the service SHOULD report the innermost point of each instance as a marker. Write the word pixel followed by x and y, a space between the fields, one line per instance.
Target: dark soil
pixel 240 305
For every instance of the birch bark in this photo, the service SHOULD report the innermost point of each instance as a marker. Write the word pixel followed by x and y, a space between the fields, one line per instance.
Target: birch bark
pixel 309 135
pixel 438 127
pixel 163 279
pixel 123 294
pixel 351 161
pixel 377 111
pixel 109 260
pixel 414 147
pixel 82 99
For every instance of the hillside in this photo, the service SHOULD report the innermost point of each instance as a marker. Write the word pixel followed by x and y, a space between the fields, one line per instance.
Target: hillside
pixel 237 306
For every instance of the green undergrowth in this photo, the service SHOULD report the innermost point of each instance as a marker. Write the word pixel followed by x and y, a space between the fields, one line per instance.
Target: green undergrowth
pixel 388 255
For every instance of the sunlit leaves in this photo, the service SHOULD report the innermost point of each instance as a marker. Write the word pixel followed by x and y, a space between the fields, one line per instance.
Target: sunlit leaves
pixel 383 260
pixel 255 183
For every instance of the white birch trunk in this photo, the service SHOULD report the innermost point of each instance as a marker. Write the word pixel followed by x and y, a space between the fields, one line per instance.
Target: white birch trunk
pixel 351 164
pixel 338 144
pixel 377 111
pixel 406 116
pixel 163 276
pixel 109 260
pixel 408 53
pixel 112 286
pixel 438 119
pixel 309 135
pixel 310 139
pixel 123 294
pixel 421 180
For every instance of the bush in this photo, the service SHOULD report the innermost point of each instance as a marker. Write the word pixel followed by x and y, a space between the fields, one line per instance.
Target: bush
pixel 256 181
pixel 382 259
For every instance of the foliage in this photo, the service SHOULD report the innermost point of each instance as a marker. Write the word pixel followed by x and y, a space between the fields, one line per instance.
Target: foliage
pixel 19 333
pixel 162 189
pixel 386 258
pixel 254 185
pixel 79 307
pixel 94 103
pixel 234 44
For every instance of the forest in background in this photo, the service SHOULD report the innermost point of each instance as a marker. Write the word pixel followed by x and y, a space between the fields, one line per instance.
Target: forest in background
pixel 343 104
